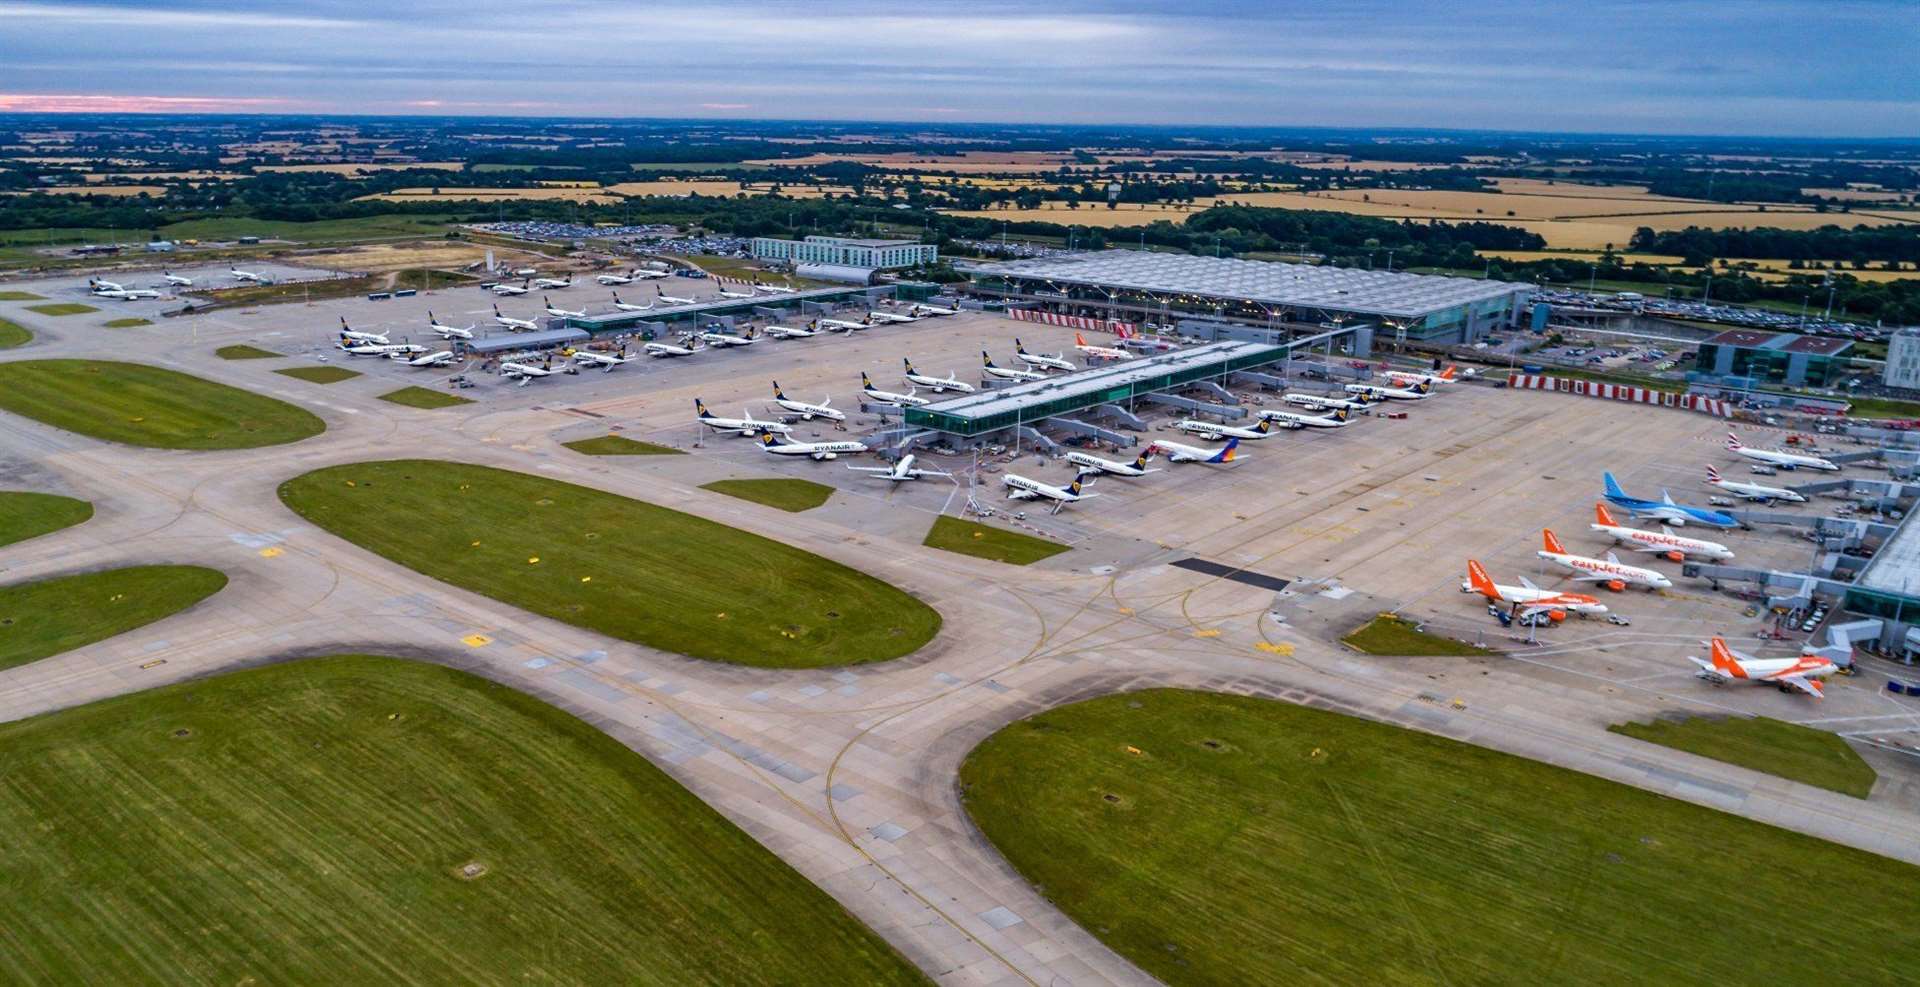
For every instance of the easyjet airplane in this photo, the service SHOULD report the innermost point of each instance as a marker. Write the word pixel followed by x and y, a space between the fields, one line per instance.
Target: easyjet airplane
pixel 1529 598
pixel 1609 572
pixel 1803 673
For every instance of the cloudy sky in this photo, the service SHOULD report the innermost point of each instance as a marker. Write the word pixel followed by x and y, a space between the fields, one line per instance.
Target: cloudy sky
pixel 1767 67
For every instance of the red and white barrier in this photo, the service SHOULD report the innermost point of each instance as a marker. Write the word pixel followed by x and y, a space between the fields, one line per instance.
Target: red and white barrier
pixel 1121 329
pixel 1621 392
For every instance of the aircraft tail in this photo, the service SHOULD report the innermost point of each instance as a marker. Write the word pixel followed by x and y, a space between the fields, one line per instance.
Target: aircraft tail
pixel 1422 387
pixel 907 363
pixel 1448 374
pixel 1713 475
pixel 778 395
pixel 1552 541
pixel 1733 442
pixel 1602 515
pixel 985 360
pixel 1079 340
pixel 1340 414
pixel 1140 462
pixel 1265 426
pixel 1074 487
pixel 1723 660
pixel 700 409
pixel 1018 347
pixel 1225 455
pixel 865 381
pixel 1481 582
pixel 1612 485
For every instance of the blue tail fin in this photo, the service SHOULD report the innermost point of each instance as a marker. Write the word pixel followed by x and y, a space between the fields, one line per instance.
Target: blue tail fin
pixel 1613 485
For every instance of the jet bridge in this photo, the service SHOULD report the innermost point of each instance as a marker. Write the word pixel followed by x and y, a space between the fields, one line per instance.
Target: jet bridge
pixel 1189 404
pixel 1093 431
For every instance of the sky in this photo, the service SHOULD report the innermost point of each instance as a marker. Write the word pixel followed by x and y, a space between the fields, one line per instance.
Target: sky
pixel 1810 68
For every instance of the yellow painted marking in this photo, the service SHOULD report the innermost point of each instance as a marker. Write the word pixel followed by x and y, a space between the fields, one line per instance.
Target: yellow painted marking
pixel 1283 650
pixel 1126 611
pixel 1458 704
pixel 156 663
pixel 476 640
pixel 1209 632
pixel 271 552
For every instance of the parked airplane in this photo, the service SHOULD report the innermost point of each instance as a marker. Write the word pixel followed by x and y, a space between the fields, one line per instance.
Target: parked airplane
pixel 1020 488
pixel 746 426
pixel 553 284
pixel 841 325
pixel 1210 430
pixel 888 397
pixel 1664 509
pixel 817 451
pixel 506 289
pixel 1287 419
pixel 401 350
pixel 607 362
pixel 629 306
pixel 1752 491
pixel 526 372
pixel 1609 572
pixel 888 318
pixel 447 332
pixel 126 294
pixel 790 332
pixel 1006 373
pixel 1527 597
pixel 524 272
pixel 670 349
pixel 1374 392
pixel 938 385
pixel 1177 453
pixel 1103 352
pixel 671 300
pixel 1778 457
pixel 807 412
pixel 1408 378
pixel 1803 673
pixel 240 275
pixel 1320 403
pixel 1675 548
pixel 560 313
pixel 1090 463
pixel 610 279
pixel 714 337
pixel 775 289
pixel 361 337
pixel 724 293
pixel 176 281
pixel 517 325
pixel 440 359
pixel 1041 360
pixel 930 311
pixel 648 274
pixel 899 472
pixel 98 286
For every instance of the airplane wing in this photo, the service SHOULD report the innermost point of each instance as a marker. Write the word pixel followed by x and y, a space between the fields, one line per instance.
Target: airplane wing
pixel 1615 559
pixel 926 472
pixel 1592 579
pixel 870 469
pixel 1811 687
pixel 1705 665
pixel 1528 583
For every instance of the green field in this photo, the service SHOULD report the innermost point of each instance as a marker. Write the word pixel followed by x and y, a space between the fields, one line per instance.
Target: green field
pixel 62 308
pixel 1386 634
pixel 787 495
pixel 244 352
pixel 421 397
pixel 128 323
pixel 148 406
pixel 1803 754
pixel 19 296
pixel 319 375
pixel 349 287
pixel 13 334
pixel 627 569
pixel 987 542
pixel 619 445
pixel 323 231
pixel 51 616
pixel 1882 408
pixel 315 822
pixel 1229 840
pixel 25 515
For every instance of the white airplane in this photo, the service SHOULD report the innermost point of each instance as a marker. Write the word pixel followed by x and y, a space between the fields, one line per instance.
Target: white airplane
pixel 607 362
pixel 239 275
pixel 553 284
pixel 775 289
pixel 1803 673
pixel 841 325
pixel 100 287
pixel 888 318
pixel 524 272
pixel 789 332
pixel 397 350
pixel 1752 491
pixel 1209 430
pixel 361 337
pixel 1020 488
pixel 1408 378
pixel 1373 392
pixel 671 300
pixel 176 281
pixel 439 359
pixel 560 313
pixel 724 293
pixel 1288 419
pixel 525 372
pixel 1778 457
pixel 1041 360
pixel 648 274
pixel 888 397
pixel 610 279
pixel 507 290
pixel 930 311
pixel 126 294
pixel 1676 548
pixel 1103 352
pixel 517 325
pixel 714 337
pixel 448 332
pixel 899 472
pixel 1609 572
pixel 746 426
pixel 629 306
pixel 807 412
pixel 817 451
pixel 1319 403
pixel 938 385
pixel 670 349
pixel 1006 373
pixel 1177 453
pixel 1090 463
pixel 1530 599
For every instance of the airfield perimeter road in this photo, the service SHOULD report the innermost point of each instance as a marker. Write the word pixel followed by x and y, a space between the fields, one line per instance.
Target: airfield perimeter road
pixel 850 775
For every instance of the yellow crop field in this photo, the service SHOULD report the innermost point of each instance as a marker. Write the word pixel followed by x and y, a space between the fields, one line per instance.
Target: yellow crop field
pixel 494 194
pixel 1003 162
pixel 353 169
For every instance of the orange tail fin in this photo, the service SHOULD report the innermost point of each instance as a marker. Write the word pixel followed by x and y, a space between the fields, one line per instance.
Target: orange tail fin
pixel 1602 515
pixel 1724 661
pixel 1482 583
pixel 1552 542
pixel 1448 373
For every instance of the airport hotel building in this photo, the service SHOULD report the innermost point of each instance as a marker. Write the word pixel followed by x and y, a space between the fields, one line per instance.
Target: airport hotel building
pixel 877 255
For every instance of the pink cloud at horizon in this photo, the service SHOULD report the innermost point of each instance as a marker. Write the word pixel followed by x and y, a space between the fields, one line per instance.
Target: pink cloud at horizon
pixel 106 103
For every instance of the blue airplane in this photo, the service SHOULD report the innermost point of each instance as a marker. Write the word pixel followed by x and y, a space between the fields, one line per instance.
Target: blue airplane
pixel 1665 509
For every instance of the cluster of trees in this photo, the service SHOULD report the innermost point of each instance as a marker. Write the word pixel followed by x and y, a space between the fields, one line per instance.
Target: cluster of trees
pixel 1856 246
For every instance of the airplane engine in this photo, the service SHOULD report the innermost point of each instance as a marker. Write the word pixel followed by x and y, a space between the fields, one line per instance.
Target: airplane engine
pixel 1616 585
pixel 1678 522
pixel 827 455
pixel 1676 557
pixel 1556 615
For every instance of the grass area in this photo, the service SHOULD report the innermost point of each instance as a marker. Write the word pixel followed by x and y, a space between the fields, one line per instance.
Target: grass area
pixel 421 397
pixel 13 334
pixel 787 495
pixel 627 569
pixel 1219 839
pixel 19 296
pixel 245 352
pixel 267 294
pixel 321 231
pixel 319 375
pixel 149 406
pixel 51 616
pixel 1803 754
pixel 128 323
pixel 987 542
pixel 62 308
pixel 25 515
pixel 619 445
pixel 1882 408
pixel 312 822
pixel 1386 634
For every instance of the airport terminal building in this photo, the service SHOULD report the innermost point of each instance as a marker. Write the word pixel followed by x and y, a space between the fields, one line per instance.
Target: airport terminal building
pixel 877 255
pixel 1139 286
